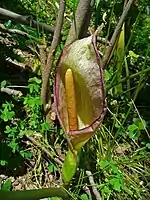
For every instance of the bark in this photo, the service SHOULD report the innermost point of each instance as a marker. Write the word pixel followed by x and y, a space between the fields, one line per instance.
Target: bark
pixel 81 22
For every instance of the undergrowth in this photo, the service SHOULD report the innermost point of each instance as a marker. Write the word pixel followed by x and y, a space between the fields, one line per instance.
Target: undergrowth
pixel 118 155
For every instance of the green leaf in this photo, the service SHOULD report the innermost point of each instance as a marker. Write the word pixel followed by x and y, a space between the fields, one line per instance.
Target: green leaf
pixel 26 154
pixel 33 124
pixel 7 114
pixel 45 126
pixel 84 197
pixel 7 185
pixel 141 124
pixel 148 145
pixel 29 132
pixel 3 83
pixel 103 164
pixel 115 183
pixel 114 169
pixel 52 168
pixel 34 88
pixel 132 54
pixel 106 190
pixel 8 129
pixel 33 102
pixel 107 75
pixel 35 79
pixel 14 145
pixel 38 101
pixel 3 162
pixel 132 128
pixel 135 129
pixel 134 135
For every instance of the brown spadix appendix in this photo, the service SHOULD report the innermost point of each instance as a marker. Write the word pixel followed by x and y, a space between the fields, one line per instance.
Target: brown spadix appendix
pixel 79 91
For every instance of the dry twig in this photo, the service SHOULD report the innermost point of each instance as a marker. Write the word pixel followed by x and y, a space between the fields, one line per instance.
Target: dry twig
pixel 48 153
pixel 18 32
pixel 26 20
pixel 11 91
pixel 117 30
pixel 94 189
pixel 48 66
pixel 87 191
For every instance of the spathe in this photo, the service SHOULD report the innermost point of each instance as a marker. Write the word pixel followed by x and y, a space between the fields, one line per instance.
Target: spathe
pixel 84 62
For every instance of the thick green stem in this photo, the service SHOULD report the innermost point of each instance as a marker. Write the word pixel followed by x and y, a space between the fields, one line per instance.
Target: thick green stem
pixel 69 166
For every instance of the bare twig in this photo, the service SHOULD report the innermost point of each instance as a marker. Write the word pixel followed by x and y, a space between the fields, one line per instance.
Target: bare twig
pixel 103 41
pixel 81 22
pixel 48 153
pixel 47 69
pixel 11 91
pixel 14 31
pixel 16 86
pixel 18 32
pixel 94 189
pixel 109 49
pixel 26 20
pixel 43 57
pixel 16 64
pixel 87 191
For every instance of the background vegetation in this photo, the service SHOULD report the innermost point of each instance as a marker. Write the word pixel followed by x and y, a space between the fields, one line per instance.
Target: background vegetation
pixel 32 147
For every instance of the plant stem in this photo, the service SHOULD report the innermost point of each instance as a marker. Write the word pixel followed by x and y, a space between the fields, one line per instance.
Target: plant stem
pixel 50 59
pixel 129 77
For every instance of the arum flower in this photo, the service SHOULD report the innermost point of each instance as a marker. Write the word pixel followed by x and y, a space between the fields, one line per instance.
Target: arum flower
pixel 79 91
